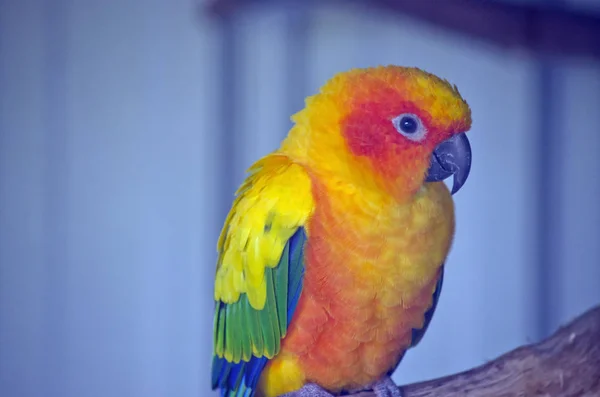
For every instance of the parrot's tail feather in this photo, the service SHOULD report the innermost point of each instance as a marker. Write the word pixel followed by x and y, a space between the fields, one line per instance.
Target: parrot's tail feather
pixel 243 391
pixel 254 369
pixel 237 380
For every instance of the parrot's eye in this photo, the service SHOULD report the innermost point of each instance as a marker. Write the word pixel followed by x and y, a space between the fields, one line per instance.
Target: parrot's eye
pixel 410 126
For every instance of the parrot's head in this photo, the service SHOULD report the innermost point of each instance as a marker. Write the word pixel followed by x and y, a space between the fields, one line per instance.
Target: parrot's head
pixel 395 127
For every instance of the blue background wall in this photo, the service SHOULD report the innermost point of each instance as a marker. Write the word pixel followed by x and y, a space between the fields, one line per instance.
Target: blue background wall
pixel 125 126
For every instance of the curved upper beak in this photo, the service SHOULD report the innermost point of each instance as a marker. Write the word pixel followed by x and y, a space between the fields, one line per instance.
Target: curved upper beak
pixel 451 157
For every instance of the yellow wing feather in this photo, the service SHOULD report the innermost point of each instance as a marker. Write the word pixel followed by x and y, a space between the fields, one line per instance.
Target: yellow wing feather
pixel 275 197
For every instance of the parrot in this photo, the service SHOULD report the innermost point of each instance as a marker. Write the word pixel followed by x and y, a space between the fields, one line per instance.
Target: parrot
pixel 331 258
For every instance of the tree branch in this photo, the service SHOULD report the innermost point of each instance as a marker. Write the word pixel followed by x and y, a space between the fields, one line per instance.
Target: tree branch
pixel 567 364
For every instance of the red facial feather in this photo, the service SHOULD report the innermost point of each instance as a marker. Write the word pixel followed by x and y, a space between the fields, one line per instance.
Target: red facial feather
pixel 369 132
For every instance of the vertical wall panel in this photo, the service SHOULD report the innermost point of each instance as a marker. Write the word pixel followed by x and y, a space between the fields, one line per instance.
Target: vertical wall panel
pixel 272 84
pixel 263 86
pixel 297 37
pixel 230 94
pixel 56 142
pixel 141 199
pixel 22 237
pixel 549 168
pixel 579 273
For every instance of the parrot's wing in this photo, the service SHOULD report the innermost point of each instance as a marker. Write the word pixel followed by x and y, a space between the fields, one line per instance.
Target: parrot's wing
pixel 260 271
pixel 417 334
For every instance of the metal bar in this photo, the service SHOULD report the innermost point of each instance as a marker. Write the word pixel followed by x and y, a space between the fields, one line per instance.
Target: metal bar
pixel 296 57
pixel 229 87
pixel 548 206
pixel 549 169
pixel 55 206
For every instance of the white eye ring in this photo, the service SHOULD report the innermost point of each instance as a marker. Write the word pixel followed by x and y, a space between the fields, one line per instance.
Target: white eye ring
pixel 410 126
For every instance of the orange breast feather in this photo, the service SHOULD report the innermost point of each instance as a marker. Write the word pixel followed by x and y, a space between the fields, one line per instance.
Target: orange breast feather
pixel 371 269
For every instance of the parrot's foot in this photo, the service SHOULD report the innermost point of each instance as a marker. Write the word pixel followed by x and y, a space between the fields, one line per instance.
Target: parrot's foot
pixel 386 388
pixel 309 390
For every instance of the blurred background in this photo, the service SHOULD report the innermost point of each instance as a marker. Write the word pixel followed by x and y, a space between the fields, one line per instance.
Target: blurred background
pixel 125 127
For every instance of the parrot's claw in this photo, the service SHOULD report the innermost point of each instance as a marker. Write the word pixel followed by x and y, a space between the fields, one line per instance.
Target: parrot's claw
pixel 309 390
pixel 386 388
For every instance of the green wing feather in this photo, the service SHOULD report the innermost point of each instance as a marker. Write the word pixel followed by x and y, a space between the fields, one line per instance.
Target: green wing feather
pixel 259 271
pixel 247 337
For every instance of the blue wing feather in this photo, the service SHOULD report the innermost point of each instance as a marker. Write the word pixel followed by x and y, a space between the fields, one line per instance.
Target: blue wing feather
pixel 417 334
pixel 240 379
pixel 296 270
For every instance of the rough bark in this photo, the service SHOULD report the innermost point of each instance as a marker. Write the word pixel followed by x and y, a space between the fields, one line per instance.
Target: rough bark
pixel 566 364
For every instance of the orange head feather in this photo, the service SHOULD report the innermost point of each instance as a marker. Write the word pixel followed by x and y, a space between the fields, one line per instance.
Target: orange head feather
pixel 377 127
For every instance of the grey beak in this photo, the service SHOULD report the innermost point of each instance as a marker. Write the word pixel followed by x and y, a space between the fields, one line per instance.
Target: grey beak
pixel 451 157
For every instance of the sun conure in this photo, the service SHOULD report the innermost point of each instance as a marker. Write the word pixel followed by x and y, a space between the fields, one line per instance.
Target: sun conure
pixel 331 260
